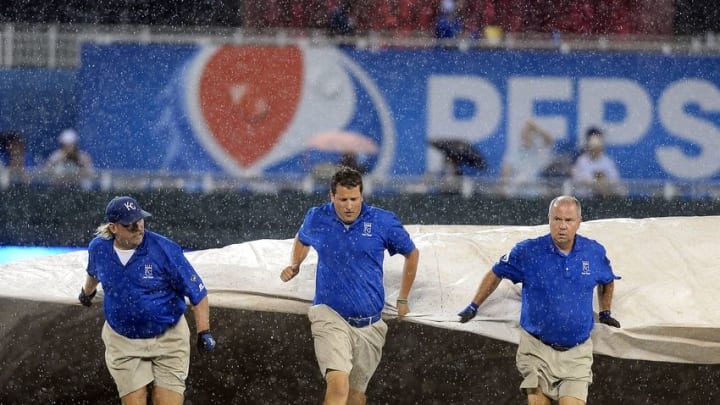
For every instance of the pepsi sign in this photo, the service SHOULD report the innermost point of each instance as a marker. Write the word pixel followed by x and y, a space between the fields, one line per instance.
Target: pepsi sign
pixel 249 110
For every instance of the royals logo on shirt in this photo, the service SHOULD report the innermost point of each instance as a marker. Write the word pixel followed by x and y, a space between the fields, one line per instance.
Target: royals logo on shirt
pixel 585 268
pixel 367 229
pixel 148 272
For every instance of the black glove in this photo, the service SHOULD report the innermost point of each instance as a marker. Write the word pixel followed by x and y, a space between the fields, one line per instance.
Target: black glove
pixel 607 319
pixel 206 341
pixel 468 313
pixel 86 299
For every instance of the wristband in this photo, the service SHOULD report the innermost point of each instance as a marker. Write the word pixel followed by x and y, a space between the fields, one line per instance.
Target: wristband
pixel 402 301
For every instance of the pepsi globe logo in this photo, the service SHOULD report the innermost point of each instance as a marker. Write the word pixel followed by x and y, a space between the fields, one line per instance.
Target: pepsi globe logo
pixel 255 108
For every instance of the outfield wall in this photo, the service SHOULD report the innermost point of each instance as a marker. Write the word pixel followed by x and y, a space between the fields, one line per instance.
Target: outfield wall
pixel 58 217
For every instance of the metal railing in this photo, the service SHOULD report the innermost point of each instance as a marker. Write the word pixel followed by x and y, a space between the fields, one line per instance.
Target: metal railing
pixel 58 46
pixel 311 183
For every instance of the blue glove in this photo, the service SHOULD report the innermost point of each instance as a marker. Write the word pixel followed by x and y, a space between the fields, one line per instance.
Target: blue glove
pixel 607 319
pixel 206 341
pixel 468 313
pixel 86 299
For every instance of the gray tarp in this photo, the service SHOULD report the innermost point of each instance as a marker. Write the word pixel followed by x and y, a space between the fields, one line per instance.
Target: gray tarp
pixel 670 270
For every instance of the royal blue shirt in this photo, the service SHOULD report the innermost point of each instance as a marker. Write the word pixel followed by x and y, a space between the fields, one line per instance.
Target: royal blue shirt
pixel 557 289
pixel 349 275
pixel 146 296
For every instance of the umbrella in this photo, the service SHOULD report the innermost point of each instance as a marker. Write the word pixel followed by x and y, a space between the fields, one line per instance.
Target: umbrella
pixel 343 142
pixel 460 152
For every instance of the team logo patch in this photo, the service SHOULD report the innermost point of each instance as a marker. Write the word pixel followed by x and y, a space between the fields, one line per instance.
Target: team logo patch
pixel 505 258
pixel 367 229
pixel 148 272
pixel 585 268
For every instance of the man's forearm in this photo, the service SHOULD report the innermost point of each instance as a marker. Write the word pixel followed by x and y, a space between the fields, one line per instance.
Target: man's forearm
pixel 201 311
pixel 605 295
pixel 409 273
pixel 90 285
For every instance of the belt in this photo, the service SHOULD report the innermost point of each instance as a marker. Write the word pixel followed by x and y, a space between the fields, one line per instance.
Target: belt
pixel 360 322
pixel 558 348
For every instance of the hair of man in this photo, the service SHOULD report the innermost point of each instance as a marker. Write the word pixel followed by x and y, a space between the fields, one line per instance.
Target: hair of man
pixel 346 177
pixel 562 200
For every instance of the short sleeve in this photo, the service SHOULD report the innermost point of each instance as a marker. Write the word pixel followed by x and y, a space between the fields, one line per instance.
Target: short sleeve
pixel 509 265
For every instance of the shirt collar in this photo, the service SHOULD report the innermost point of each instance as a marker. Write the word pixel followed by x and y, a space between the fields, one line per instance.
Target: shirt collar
pixel 577 246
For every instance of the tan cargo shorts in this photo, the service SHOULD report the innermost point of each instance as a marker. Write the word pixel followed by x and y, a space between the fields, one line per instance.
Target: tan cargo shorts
pixel 339 346
pixel 163 359
pixel 557 373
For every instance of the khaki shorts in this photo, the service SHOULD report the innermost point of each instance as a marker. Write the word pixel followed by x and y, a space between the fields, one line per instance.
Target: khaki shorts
pixel 134 363
pixel 339 346
pixel 557 373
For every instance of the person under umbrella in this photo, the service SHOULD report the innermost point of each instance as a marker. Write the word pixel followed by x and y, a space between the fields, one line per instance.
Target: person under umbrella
pixel 460 154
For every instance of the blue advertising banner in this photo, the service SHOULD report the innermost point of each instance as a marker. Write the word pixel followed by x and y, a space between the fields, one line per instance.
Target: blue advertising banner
pixel 273 110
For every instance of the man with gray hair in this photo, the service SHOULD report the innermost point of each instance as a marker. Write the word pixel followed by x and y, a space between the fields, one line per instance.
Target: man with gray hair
pixel 559 272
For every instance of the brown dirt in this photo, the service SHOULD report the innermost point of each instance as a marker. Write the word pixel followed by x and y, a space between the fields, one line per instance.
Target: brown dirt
pixel 53 354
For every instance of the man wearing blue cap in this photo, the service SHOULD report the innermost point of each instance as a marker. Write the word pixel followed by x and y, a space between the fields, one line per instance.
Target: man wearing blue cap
pixel 145 279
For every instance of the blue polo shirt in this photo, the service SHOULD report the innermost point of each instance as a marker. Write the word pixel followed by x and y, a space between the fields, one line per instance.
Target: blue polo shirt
pixel 557 289
pixel 146 296
pixel 349 275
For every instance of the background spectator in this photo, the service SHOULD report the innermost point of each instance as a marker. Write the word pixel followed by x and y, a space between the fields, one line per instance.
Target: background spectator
pixel 68 164
pixel 448 23
pixel 342 20
pixel 595 174
pixel 522 168
pixel 560 168
pixel 12 157
pixel 592 131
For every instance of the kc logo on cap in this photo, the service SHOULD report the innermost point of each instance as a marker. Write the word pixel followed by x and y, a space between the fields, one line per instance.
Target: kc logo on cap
pixel 125 210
